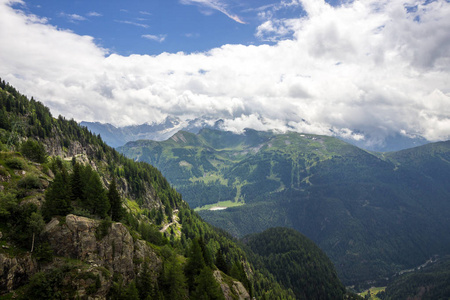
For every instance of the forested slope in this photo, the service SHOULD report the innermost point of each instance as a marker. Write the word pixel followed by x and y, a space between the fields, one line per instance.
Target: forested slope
pixel 78 219
pixel 374 214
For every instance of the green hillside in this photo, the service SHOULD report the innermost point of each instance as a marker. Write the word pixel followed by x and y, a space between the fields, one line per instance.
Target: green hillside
pixel 290 256
pixel 373 214
pixel 79 220
pixel 428 282
pixel 215 166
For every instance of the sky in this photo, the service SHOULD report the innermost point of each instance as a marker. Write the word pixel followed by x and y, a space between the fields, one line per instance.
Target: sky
pixel 363 70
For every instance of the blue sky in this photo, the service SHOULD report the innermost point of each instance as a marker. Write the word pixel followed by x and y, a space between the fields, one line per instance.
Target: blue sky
pixel 364 70
pixel 153 27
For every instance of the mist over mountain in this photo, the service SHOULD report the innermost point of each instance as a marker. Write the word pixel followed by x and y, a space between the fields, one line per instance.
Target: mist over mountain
pixel 119 136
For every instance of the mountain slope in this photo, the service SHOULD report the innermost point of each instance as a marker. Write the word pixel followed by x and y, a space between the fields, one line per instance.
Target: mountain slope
pixel 426 282
pixel 290 256
pixel 79 220
pixel 63 236
pixel 374 214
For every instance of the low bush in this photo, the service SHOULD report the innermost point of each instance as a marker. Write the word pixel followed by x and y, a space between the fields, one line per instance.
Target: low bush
pixel 15 163
pixel 30 182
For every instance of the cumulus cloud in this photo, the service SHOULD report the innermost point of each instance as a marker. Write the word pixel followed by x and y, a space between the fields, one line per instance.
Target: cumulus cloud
pixel 365 68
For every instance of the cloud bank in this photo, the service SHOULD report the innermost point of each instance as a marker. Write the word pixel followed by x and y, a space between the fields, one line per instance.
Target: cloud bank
pixel 374 68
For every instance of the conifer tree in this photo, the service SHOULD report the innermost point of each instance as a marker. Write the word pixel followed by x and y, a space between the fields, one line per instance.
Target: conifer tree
pixel 57 197
pixel 207 287
pixel 144 282
pixel 195 263
pixel 96 197
pixel 76 183
pixel 221 264
pixel 115 202
pixel 174 281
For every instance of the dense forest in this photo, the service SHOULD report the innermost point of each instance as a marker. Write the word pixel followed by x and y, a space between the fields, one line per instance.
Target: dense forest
pixel 374 214
pixel 56 176
pixel 425 282
pixel 290 256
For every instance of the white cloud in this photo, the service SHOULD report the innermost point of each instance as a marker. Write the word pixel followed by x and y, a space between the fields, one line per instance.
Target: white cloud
pixel 72 17
pixel 94 14
pixel 215 5
pixel 132 23
pixel 275 29
pixel 364 67
pixel 157 38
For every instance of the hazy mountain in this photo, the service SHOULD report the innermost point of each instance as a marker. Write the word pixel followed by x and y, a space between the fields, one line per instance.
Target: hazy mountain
pixel 119 136
pixel 395 142
pixel 373 213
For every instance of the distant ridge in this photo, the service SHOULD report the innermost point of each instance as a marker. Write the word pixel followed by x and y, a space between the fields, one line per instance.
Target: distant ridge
pixel 119 136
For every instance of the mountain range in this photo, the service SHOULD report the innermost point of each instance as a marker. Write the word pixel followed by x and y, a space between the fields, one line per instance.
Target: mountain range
pixel 374 214
pixel 160 131
pixel 78 220
pixel 119 136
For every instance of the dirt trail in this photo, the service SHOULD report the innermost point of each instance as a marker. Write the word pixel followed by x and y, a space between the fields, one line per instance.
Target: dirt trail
pixel 175 220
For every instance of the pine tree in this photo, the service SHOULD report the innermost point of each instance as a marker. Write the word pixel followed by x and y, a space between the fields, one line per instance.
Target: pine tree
pixel 144 282
pixel 195 263
pixel 221 264
pixel 57 197
pixel 174 281
pixel 207 287
pixel 96 197
pixel 76 184
pixel 206 254
pixel 115 202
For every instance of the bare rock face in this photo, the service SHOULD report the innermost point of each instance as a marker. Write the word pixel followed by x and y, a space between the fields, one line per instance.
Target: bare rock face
pixel 235 291
pixel 117 251
pixel 15 271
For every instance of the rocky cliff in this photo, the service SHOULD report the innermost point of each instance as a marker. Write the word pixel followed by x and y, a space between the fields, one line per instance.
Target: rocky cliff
pixel 15 271
pixel 117 251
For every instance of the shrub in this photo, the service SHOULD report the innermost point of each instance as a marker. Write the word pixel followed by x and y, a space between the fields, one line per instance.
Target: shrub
pixel 43 253
pixel 30 182
pixel 15 163
pixel 102 229
pixel 3 172
pixel 34 150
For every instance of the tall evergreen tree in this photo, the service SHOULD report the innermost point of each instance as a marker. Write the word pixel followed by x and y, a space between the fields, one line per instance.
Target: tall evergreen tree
pixel 207 288
pixel 76 184
pixel 115 202
pixel 195 263
pixel 57 197
pixel 174 281
pixel 221 263
pixel 96 197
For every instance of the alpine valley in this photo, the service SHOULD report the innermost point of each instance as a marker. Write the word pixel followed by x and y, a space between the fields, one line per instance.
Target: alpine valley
pixel 78 220
pixel 374 214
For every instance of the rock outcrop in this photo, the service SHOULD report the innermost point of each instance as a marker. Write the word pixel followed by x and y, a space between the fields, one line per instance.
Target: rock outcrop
pixel 15 271
pixel 233 290
pixel 78 238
